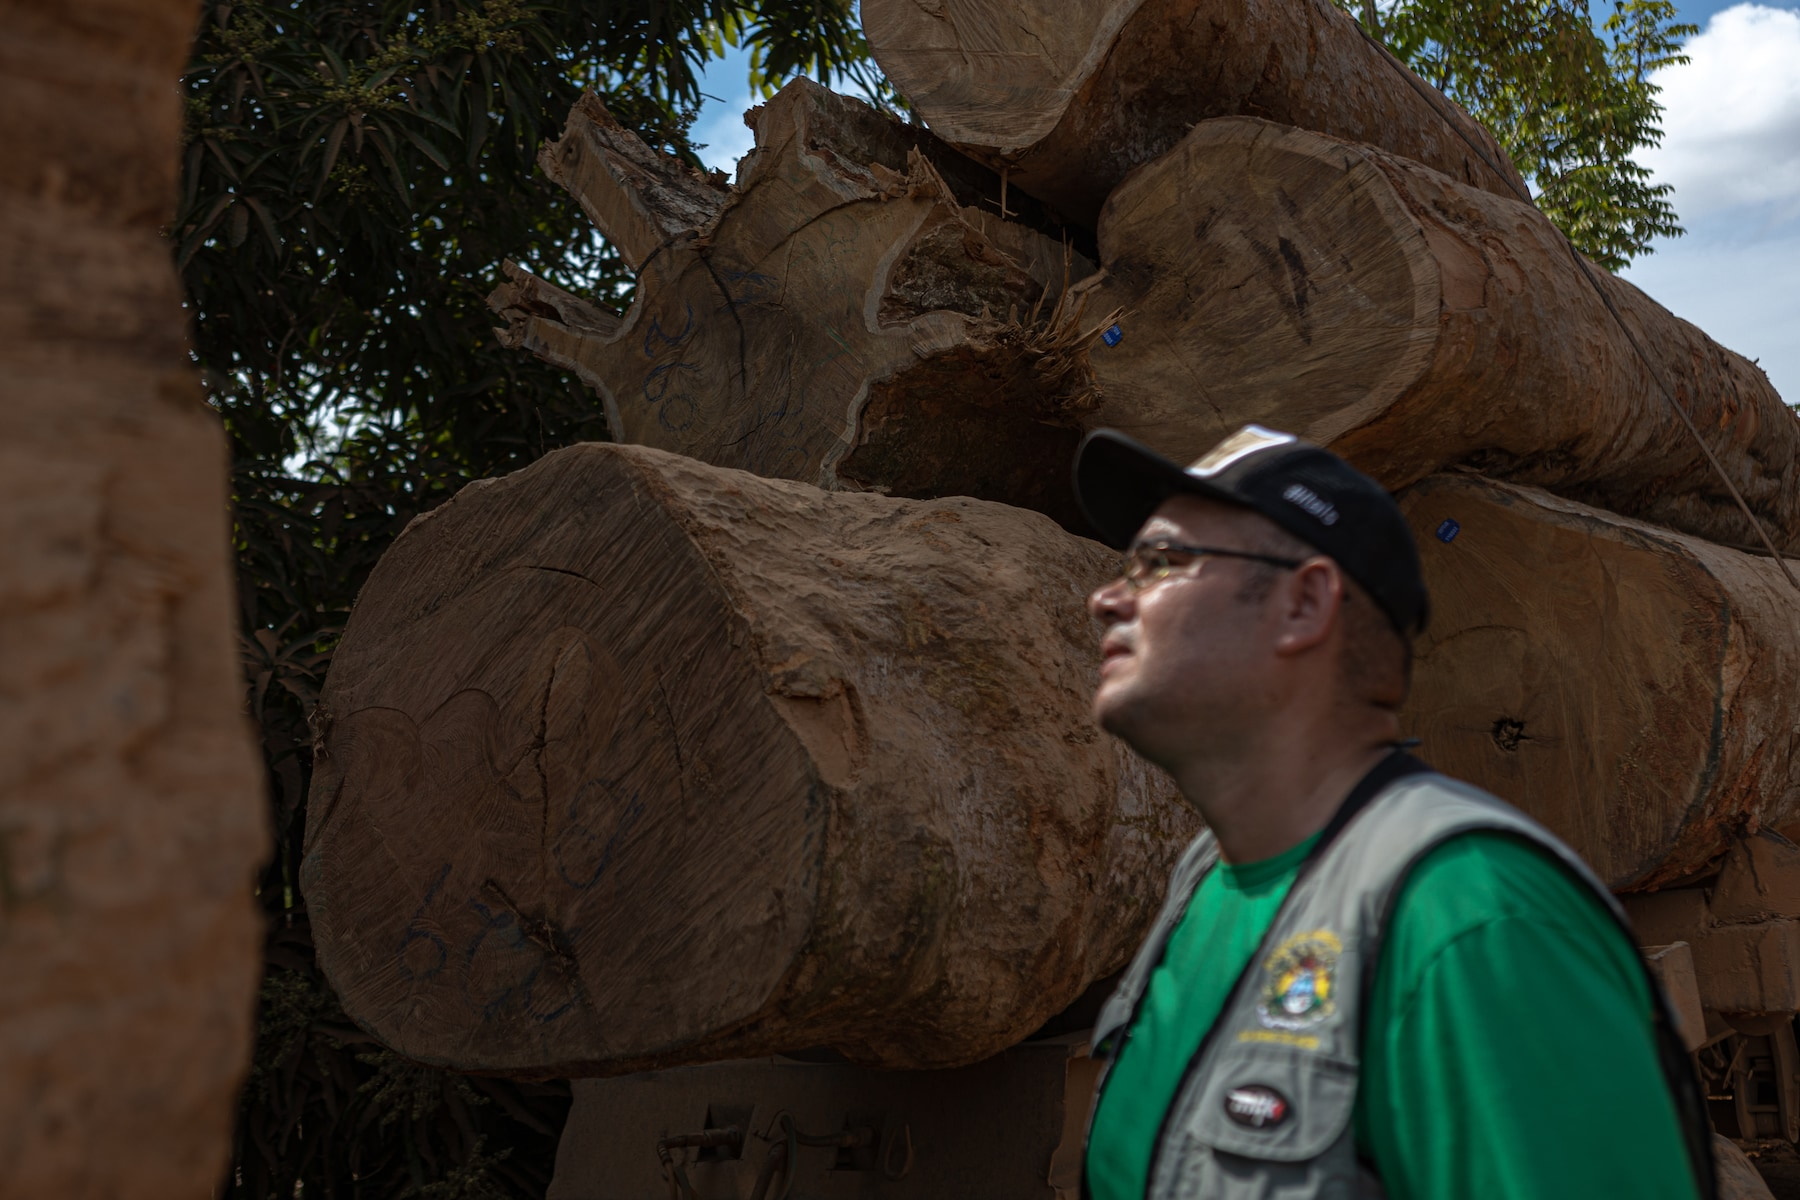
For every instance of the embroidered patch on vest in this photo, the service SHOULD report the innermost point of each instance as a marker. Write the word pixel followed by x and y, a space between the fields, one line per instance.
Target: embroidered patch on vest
pixel 1299 980
pixel 1257 1105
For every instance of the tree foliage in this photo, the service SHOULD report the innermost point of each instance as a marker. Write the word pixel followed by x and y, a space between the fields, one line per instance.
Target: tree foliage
pixel 1570 103
pixel 354 172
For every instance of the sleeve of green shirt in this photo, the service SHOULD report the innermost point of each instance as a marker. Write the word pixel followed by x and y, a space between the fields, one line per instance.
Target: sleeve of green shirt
pixel 1509 1050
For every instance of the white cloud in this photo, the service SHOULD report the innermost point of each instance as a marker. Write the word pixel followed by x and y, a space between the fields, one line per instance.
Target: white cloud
pixel 1732 151
pixel 1731 118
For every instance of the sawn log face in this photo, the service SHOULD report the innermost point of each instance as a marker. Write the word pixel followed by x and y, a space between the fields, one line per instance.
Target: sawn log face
pixel 1625 685
pixel 630 762
pixel 1070 95
pixel 1410 322
pixel 843 316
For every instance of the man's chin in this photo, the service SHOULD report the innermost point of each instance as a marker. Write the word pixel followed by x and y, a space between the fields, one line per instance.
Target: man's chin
pixel 1112 711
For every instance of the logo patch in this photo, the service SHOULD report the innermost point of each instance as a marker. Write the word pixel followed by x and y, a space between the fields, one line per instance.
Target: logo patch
pixel 1311 502
pixel 1299 981
pixel 1242 444
pixel 1257 1105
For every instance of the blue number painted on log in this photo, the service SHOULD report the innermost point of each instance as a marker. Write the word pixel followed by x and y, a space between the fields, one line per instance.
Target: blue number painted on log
pixel 416 934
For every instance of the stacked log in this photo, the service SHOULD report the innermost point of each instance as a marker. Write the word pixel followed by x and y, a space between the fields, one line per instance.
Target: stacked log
pixel 846 315
pixel 1069 97
pixel 749 711
pixel 631 762
pixel 1263 272
pixel 1412 322
pixel 628 761
pixel 1626 685
pixel 131 822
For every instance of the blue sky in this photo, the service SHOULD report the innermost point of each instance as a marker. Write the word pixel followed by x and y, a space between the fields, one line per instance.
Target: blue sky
pixel 1731 149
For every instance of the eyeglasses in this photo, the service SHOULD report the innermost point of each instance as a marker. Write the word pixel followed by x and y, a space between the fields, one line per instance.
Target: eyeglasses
pixel 1152 562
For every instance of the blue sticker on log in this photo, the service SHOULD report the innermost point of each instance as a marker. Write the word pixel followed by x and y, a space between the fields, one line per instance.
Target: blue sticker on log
pixel 1113 336
pixel 1448 530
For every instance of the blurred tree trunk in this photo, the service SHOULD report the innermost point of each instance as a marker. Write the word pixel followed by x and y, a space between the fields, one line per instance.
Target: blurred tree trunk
pixel 131 817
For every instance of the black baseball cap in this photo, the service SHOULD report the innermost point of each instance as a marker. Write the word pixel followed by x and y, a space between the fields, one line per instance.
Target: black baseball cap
pixel 1305 489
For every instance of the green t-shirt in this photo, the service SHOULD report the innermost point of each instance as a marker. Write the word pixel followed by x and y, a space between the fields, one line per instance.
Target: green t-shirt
pixel 1509 1051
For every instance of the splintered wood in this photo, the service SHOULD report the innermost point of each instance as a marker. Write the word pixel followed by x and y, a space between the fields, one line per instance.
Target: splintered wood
pixel 1411 322
pixel 1069 95
pixel 841 316
pixel 131 815
pixel 1625 685
pixel 629 761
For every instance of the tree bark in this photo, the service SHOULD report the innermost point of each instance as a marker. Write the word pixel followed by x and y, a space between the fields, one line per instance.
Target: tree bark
pixel 845 315
pixel 1270 274
pixel 1626 685
pixel 131 815
pixel 1070 95
pixel 629 762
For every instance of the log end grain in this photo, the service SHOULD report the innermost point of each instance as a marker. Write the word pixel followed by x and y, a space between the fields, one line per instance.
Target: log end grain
pixel 1617 681
pixel 1266 274
pixel 630 761
pixel 852 316
pixel 518 754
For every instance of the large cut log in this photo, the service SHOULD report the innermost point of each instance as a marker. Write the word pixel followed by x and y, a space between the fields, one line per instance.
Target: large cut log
pixel 1630 687
pixel 849 314
pixel 1070 95
pixel 131 813
pixel 629 762
pixel 1410 322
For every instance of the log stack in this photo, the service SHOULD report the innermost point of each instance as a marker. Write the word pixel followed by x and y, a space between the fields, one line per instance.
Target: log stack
pixel 761 764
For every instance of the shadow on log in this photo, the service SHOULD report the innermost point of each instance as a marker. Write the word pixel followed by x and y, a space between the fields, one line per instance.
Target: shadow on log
pixel 631 762
pixel 1625 685
pixel 842 316
pixel 1070 95
pixel 1274 275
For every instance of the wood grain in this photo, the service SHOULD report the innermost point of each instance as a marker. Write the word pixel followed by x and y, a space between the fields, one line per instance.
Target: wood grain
pixel 1275 275
pixel 843 315
pixel 1068 96
pixel 633 762
pixel 1628 686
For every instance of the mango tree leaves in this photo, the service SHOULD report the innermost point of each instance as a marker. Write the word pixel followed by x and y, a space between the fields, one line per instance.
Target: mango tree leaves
pixel 1569 102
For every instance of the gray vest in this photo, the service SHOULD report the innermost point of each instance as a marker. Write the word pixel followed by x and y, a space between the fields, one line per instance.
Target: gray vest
pixel 1264 1110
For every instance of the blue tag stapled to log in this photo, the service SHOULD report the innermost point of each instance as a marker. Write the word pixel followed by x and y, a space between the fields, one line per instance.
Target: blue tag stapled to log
pixel 1113 335
pixel 1448 530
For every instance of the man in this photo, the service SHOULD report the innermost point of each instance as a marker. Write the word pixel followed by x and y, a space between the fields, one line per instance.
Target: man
pixel 1366 975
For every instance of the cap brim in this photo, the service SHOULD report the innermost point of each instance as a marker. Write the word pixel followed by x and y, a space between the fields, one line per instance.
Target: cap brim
pixel 1120 482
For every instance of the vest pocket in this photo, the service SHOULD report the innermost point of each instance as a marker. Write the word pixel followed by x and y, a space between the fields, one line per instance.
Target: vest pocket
pixel 1272 1103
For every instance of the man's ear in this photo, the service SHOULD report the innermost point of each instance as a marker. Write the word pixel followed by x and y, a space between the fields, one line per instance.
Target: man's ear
pixel 1311 602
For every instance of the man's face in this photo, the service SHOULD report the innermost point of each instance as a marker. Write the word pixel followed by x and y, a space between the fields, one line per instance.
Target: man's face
pixel 1185 659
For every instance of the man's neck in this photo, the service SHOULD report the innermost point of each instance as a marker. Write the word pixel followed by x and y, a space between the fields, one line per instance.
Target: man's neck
pixel 1273 796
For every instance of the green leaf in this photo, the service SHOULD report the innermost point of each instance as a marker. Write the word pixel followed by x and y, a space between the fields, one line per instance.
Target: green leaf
pixel 267 222
pixel 333 144
pixel 430 151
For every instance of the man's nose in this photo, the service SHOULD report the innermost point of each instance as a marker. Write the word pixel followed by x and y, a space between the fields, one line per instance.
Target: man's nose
pixel 1112 602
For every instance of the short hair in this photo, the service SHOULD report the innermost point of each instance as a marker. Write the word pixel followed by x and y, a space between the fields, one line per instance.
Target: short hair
pixel 1377 658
